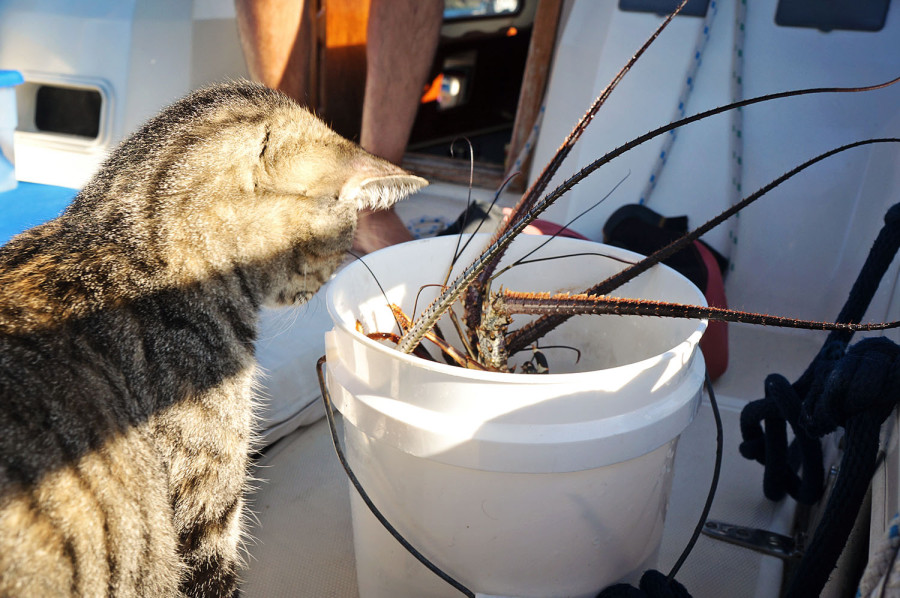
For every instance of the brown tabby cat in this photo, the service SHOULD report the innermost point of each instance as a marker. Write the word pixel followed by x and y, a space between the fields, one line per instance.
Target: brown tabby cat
pixel 126 341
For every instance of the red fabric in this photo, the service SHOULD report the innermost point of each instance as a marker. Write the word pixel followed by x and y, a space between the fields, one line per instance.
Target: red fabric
pixel 543 227
pixel 714 343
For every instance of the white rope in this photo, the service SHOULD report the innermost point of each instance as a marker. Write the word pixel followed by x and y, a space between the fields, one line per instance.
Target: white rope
pixel 737 117
pixel 686 89
pixel 881 578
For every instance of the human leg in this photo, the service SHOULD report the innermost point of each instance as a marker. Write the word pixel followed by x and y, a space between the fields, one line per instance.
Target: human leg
pixel 272 36
pixel 402 38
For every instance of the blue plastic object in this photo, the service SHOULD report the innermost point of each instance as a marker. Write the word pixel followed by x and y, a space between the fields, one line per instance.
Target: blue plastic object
pixel 30 204
pixel 11 78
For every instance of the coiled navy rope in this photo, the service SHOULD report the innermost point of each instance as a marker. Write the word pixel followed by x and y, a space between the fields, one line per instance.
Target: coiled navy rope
pixel 853 387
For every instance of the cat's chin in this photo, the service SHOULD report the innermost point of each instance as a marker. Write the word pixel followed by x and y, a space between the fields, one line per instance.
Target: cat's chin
pixel 290 298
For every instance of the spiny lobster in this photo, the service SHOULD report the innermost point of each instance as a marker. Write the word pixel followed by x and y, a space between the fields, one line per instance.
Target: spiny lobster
pixel 487 315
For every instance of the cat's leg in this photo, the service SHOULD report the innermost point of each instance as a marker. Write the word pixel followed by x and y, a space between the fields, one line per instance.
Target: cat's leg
pixel 208 440
pixel 210 550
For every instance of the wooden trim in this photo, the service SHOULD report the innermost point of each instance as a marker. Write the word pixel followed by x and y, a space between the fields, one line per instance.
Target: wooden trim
pixel 534 82
pixel 342 65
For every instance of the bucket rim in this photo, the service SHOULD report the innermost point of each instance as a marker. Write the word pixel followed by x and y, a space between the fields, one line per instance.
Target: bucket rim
pixel 685 347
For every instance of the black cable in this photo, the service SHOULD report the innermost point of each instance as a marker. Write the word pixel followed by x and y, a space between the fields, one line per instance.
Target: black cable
pixel 712 487
pixel 329 413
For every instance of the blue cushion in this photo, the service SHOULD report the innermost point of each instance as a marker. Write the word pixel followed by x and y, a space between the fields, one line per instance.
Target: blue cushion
pixel 30 204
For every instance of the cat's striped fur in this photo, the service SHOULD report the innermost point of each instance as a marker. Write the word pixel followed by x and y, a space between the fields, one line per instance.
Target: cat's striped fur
pixel 126 341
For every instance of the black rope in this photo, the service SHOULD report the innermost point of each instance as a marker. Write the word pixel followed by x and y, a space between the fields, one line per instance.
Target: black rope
pixel 781 406
pixel 858 395
pixel 329 412
pixel 855 388
pixel 653 584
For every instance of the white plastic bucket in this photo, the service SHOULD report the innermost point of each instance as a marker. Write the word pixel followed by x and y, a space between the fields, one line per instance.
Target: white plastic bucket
pixel 515 485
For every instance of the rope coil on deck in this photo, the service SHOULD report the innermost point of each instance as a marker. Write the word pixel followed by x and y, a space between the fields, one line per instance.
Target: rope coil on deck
pixel 853 387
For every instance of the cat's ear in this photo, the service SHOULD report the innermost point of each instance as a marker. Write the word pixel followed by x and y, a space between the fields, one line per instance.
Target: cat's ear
pixel 374 183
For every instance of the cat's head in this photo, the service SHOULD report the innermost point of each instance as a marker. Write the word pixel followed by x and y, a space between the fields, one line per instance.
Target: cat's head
pixel 238 175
